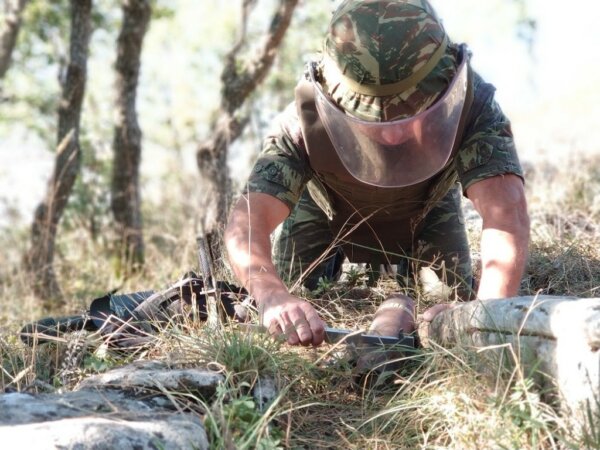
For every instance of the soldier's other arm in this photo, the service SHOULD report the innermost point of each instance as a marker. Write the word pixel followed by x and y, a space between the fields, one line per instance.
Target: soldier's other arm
pixel 492 178
pixel 489 170
pixel 501 203
pixel 247 238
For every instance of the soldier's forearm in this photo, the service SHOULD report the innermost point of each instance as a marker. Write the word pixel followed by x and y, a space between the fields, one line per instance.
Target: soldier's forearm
pixel 250 259
pixel 247 238
pixel 500 200
pixel 503 259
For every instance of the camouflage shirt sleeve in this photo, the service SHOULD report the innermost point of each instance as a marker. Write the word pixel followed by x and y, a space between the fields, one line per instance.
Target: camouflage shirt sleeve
pixel 282 169
pixel 488 147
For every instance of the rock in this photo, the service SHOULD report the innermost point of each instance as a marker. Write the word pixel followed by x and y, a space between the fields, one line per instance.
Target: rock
pixel 265 392
pixel 18 409
pixel 557 339
pixel 123 408
pixel 175 431
pixel 155 378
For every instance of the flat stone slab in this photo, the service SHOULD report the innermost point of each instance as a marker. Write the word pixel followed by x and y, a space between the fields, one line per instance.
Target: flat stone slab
pixel 155 377
pixel 120 409
pixel 20 409
pixel 174 431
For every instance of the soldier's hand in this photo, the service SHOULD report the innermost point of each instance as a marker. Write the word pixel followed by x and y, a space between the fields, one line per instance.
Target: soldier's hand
pixel 293 317
pixel 435 310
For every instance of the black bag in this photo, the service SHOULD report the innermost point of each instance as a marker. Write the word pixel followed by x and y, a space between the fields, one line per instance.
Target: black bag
pixel 127 320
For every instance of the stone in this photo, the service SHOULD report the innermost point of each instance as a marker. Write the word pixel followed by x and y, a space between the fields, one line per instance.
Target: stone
pixel 265 392
pixel 555 339
pixel 125 408
pixel 155 378
pixel 175 431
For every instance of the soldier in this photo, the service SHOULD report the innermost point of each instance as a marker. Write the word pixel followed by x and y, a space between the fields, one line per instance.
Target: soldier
pixel 387 131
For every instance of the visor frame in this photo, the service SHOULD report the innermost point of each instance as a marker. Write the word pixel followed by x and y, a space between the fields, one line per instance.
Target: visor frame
pixel 339 131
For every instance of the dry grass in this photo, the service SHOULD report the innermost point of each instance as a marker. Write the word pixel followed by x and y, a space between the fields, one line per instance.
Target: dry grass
pixel 439 399
pixel 564 205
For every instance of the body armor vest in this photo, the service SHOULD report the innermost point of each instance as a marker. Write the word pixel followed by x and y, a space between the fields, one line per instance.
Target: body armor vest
pixel 373 224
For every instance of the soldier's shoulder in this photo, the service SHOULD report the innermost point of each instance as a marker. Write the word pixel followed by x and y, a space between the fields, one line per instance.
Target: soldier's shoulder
pixel 286 122
pixel 481 87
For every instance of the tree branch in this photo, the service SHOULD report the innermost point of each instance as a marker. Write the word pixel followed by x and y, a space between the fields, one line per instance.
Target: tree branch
pixel 238 86
pixel 10 32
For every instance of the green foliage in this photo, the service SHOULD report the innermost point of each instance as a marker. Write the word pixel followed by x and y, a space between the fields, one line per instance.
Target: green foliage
pixel 324 285
pixel 234 420
pixel 244 355
pixel 32 86
pixel 162 9
pixel 302 43
pixel 528 415
pixel 526 26
pixel 24 368
pixel 43 19
pixel 355 276
pixel 101 360
pixel 591 427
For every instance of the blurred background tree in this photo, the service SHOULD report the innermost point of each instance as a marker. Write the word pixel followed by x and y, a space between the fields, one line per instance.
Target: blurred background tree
pixel 240 77
pixel 127 143
pixel 13 12
pixel 39 260
pixel 45 24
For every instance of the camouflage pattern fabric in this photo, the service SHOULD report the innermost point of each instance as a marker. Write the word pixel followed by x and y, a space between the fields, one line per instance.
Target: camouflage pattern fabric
pixel 282 171
pixel 303 239
pixel 302 247
pixel 386 59
pixel 488 146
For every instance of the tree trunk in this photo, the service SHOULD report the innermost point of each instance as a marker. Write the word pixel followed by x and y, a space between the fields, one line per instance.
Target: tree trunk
pixel 554 340
pixel 127 146
pixel 237 86
pixel 40 257
pixel 10 31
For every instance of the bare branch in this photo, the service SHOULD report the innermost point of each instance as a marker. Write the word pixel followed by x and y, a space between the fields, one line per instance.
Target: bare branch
pixel 10 31
pixel 247 7
pixel 238 86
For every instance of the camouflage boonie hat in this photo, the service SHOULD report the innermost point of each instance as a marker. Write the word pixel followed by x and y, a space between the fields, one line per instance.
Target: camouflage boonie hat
pixel 386 59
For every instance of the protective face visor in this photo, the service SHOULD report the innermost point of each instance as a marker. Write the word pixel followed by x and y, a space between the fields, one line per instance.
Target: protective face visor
pixel 400 152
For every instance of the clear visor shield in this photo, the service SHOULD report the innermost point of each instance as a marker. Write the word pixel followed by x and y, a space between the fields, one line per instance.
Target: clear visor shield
pixel 397 153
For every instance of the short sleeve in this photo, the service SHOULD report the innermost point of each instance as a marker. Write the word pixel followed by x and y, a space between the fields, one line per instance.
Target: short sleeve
pixel 282 169
pixel 488 147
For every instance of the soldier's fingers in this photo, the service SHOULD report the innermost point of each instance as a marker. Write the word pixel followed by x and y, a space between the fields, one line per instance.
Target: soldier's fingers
pixel 275 329
pixel 317 327
pixel 316 324
pixel 304 331
pixel 288 328
pixel 301 326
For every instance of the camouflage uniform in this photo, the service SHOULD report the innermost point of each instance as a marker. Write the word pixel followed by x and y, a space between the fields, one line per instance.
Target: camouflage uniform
pixel 486 149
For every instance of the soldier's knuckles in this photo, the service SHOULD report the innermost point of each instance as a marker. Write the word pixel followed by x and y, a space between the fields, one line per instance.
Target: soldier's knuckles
pixel 293 338
pixel 274 328
pixel 305 337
